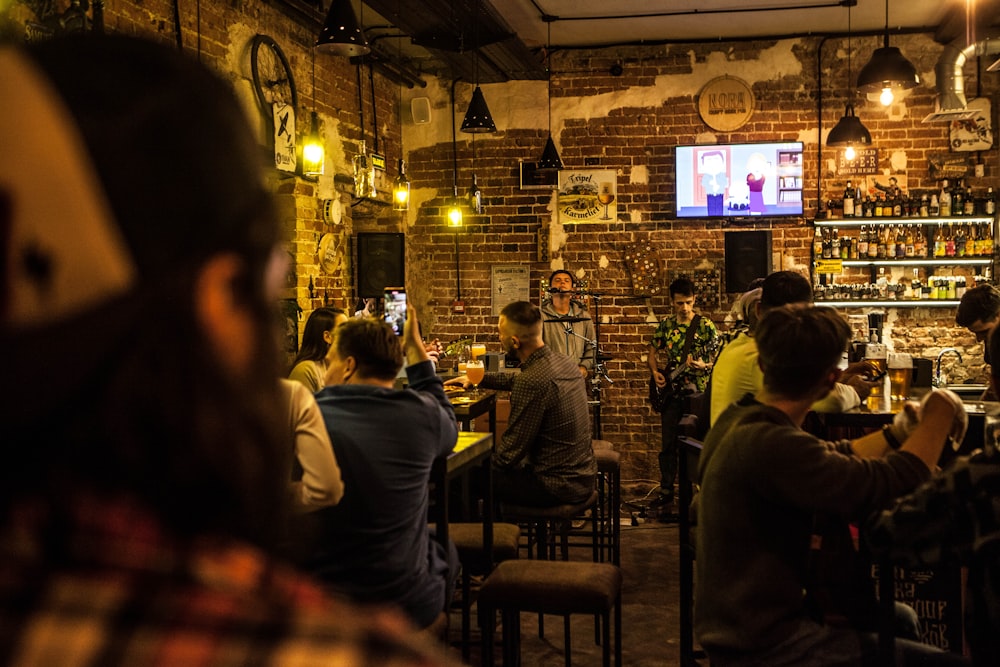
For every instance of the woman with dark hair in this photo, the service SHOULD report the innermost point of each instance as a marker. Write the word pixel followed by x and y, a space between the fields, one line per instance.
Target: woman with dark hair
pixel 142 497
pixel 309 366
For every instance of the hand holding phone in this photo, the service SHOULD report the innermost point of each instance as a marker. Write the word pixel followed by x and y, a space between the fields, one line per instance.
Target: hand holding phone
pixel 394 308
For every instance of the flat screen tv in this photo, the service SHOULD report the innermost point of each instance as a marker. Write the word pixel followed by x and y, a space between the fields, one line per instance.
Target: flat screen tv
pixel 739 180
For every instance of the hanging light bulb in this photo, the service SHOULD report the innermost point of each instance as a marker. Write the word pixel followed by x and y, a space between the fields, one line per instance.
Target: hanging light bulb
pixel 312 151
pixel 401 190
pixel 886 97
pixel 888 70
pixel 849 130
pixel 849 153
pixel 475 197
pixel 455 210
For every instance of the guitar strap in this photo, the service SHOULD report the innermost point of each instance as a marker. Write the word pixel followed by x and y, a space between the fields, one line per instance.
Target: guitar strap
pixel 689 337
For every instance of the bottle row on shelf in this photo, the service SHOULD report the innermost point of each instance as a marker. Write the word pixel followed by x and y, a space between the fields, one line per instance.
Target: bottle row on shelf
pixel 935 288
pixel 892 202
pixel 899 241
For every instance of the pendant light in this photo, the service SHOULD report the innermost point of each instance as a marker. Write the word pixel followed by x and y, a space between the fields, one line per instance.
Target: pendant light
pixel 401 186
pixel 888 70
pixel 313 155
pixel 341 34
pixel 454 213
pixel 550 160
pixel 849 130
pixel 477 118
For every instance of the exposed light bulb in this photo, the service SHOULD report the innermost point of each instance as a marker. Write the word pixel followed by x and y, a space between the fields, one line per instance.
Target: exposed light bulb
pixel 455 215
pixel 886 98
pixel 312 150
pixel 849 153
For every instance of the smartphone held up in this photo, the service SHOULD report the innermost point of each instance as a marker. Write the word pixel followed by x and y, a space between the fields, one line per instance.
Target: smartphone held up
pixel 394 308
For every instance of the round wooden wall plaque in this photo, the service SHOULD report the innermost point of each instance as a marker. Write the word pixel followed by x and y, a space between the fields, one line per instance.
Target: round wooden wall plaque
pixel 726 103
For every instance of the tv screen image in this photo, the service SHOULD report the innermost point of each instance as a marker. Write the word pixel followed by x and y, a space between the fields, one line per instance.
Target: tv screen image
pixel 738 180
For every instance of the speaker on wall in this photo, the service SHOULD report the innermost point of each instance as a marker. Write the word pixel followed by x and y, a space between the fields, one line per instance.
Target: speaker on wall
pixel 420 109
pixel 748 256
pixel 380 263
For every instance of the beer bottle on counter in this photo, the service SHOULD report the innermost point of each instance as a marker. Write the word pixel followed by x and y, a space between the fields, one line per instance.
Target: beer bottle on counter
pixel 849 201
pixel 944 200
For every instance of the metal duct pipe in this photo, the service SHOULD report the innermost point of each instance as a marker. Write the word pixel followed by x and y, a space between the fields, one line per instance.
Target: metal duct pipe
pixel 949 71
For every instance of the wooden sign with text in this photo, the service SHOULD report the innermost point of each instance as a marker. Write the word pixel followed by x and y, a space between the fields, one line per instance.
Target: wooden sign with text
pixel 865 162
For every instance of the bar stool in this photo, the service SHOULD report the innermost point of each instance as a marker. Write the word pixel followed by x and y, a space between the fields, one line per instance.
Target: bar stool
pixel 468 539
pixel 549 587
pixel 545 524
pixel 609 501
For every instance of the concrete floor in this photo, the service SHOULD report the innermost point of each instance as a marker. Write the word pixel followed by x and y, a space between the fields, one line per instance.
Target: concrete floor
pixel 650 620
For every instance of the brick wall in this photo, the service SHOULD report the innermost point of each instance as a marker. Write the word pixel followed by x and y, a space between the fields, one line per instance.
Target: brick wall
pixel 628 123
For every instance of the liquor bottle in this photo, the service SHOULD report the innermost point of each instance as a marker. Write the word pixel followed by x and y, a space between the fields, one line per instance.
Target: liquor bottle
pixel 827 244
pixel 868 207
pixel 883 243
pixel 863 241
pixel 957 201
pixel 949 241
pixel 934 208
pixel 991 202
pixel 939 244
pixel 924 211
pixel 944 199
pixel 835 244
pixel 970 203
pixel 897 206
pixel 818 243
pixel 970 240
pixel 960 241
pixel 873 242
pixel 849 201
pixel 988 240
pixel 910 242
pixel 919 243
pixel 900 241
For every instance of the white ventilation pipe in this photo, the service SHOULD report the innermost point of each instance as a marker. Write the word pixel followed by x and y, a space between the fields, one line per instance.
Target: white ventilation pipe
pixel 949 71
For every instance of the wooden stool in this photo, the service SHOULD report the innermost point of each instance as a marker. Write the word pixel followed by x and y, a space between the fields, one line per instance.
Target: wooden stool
pixel 468 539
pixel 545 523
pixel 549 587
pixel 609 503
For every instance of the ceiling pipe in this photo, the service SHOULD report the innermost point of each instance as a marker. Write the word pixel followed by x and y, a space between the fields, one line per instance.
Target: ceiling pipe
pixel 950 78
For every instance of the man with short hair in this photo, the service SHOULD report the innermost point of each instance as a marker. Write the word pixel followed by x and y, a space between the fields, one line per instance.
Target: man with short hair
pixel 683 340
pixel 979 312
pixel 544 457
pixel 567 327
pixel 764 480
pixel 737 372
pixel 375 545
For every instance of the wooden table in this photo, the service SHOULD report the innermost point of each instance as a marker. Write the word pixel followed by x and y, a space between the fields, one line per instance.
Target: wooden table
pixel 472 451
pixel 469 405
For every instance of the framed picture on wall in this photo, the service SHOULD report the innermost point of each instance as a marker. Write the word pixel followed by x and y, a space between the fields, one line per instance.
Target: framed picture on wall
pixel 534 179
pixel 588 196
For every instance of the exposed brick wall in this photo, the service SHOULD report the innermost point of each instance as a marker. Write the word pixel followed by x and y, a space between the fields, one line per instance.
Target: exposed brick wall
pixel 628 123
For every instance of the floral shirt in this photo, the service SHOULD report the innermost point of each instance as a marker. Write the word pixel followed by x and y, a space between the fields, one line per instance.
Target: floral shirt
pixel 669 339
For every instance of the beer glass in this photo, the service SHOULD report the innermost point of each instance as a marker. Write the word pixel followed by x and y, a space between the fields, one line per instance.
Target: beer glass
pixel 900 376
pixel 478 350
pixel 475 370
pixel 876 354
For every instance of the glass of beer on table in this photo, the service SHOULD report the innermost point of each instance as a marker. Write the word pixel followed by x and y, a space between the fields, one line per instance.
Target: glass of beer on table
pixel 900 376
pixel 478 350
pixel 475 370
pixel 876 354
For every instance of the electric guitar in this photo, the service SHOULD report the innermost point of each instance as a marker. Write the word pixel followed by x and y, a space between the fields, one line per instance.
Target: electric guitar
pixel 659 396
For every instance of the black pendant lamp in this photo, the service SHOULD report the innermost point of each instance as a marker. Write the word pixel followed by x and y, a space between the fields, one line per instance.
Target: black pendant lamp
pixel 341 34
pixel 550 160
pixel 477 118
pixel 849 131
pixel 888 70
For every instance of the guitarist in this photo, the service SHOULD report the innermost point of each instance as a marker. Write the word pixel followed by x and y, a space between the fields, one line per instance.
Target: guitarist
pixel 682 339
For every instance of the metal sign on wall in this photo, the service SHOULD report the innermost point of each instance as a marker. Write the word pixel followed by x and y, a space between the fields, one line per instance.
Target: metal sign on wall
pixel 865 162
pixel 726 103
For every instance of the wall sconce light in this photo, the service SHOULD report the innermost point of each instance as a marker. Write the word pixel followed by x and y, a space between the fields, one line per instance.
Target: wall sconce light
pixel 455 211
pixel 401 190
pixel 888 70
pixel 341 34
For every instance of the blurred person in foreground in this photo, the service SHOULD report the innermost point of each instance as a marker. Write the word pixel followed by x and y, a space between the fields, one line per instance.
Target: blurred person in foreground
pixel 764 484
pixel 375 545
pixel 142 493
pixel 545 456
pixel 955 520
pixel 736 371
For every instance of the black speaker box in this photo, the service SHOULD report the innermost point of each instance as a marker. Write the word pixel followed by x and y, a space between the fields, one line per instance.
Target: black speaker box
pixel 380 263
pixel 748 256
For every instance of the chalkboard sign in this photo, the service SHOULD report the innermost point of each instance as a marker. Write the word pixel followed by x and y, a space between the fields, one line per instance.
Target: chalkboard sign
pixel 936 594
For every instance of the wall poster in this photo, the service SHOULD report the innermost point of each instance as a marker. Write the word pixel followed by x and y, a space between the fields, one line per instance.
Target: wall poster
pixel 509 283
pixel 587 196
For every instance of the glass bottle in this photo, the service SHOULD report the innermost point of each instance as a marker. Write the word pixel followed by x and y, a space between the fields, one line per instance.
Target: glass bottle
pixel 934 209
pixel 991 202
pixel 949 241
pixel 944 200
pixel 863 241
pixel 924 211
pixel 849 201
pixel 939 243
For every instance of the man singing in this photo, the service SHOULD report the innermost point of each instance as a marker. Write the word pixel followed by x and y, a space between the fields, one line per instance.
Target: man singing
pixel 567 327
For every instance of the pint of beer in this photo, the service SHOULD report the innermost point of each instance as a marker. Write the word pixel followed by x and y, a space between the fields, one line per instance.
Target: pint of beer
pixel 876 354
pixel 900 376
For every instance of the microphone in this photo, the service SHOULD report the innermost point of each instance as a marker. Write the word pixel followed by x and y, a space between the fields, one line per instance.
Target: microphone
pixel 556 290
